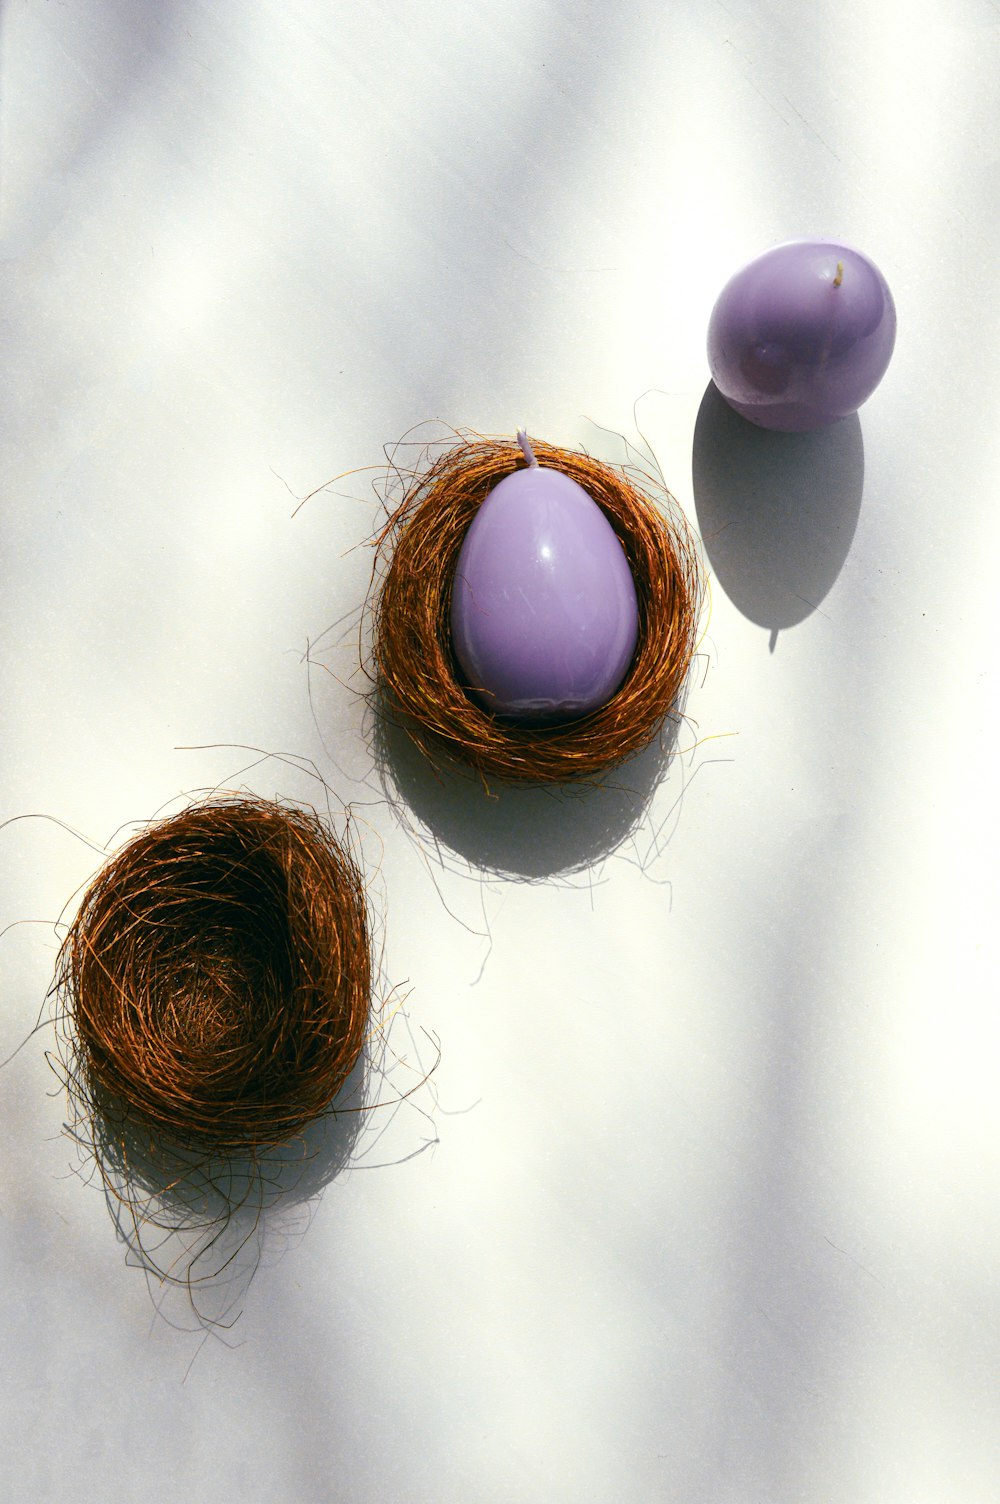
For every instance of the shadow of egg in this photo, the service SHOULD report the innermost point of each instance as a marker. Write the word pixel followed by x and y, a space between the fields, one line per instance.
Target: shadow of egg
pixel 532 832
pixel 776 511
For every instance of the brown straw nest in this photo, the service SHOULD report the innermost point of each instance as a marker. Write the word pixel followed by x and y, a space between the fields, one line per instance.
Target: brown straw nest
pixel 417 678
pixel 215 982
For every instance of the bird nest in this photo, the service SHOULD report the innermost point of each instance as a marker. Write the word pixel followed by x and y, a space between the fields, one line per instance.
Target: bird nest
pixel 418 680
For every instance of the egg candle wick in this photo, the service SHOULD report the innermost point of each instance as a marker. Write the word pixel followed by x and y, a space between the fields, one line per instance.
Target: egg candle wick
pixel 526 449
pixel 840 274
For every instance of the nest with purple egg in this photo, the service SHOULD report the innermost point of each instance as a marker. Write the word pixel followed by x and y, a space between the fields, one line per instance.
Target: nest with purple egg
pixel 418 680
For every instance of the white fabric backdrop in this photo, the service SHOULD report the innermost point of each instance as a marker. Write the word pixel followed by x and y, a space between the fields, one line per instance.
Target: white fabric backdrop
pixel 706 1205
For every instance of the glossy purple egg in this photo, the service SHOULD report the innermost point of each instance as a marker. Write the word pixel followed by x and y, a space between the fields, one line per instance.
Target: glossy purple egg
pixel 544 616
pixel 802 336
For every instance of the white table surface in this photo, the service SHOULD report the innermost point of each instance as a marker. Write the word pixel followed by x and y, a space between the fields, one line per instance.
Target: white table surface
pixel 700 1202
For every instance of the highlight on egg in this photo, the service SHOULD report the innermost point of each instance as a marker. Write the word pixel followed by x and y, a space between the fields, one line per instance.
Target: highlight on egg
pixel 544 615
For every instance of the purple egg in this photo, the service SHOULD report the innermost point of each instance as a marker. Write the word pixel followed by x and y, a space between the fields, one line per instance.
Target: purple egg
pixel 544 617
pixel 802 336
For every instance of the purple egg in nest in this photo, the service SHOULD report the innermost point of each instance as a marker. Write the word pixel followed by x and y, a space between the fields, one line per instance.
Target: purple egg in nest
pixel 544 615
